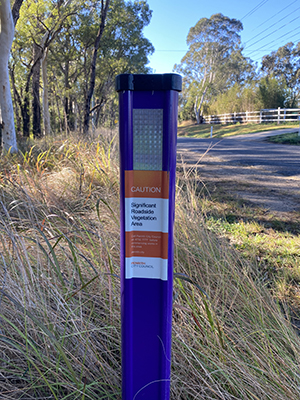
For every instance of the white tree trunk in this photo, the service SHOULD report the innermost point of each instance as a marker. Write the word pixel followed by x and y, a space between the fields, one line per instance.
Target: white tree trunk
pixel 196 107
pixel 7 29
pixel 198 113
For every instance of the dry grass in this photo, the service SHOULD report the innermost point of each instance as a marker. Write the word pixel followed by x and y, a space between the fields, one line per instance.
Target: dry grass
pixel 244 347
pixel 60 300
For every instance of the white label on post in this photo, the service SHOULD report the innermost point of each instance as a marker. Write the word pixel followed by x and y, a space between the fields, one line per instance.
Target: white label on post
pixel 146 224
pixel 146 214
pixel 146 267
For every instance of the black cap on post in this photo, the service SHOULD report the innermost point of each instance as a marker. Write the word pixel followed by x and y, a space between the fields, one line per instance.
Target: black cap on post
pixel 148 82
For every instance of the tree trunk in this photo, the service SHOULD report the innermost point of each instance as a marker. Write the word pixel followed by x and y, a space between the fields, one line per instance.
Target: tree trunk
pixel 196 109
pixel 24 106
pixel 90 92
pixel 17 104
pixel 9 141
pixel 16 10
pixel 198 113
pixel 76 112
pixel 36 105
pixel 68 104
pixel 46 113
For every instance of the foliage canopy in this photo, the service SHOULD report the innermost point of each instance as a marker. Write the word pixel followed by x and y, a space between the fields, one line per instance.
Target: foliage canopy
pixel 64 33
pixel 214 61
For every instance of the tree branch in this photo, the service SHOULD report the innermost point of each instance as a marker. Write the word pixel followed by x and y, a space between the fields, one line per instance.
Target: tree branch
pixel 16 10
pixel 95 108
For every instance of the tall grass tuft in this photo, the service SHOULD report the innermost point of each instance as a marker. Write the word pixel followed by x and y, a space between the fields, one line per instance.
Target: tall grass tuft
pixel 60 288
pixel 231 340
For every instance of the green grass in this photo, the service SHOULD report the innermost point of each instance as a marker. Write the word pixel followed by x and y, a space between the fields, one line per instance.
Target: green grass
pixel 292 138
pixel 60 285
pixel 219 131
pixel 271 242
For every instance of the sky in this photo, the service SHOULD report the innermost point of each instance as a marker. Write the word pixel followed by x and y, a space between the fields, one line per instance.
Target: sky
pixel 268 25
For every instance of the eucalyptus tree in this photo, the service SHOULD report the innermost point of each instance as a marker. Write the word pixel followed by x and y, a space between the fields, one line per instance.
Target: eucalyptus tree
pixel 92 74
pixel 38 25
pixel 8 18
pixel 123 48
pixel 65 62
pixel 284 65
pixel 81 46
pixel 214 61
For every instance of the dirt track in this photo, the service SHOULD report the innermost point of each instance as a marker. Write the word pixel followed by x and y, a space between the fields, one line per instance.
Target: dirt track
pixel 249 168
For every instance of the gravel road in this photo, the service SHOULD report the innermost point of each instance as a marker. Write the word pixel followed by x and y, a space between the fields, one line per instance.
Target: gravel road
pixel 249 167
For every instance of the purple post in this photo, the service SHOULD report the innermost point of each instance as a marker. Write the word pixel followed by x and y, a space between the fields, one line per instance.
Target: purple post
pixel 148 135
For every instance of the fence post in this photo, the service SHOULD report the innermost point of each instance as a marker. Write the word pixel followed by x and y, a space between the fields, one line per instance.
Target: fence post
pixel 278 116
pixel 260 116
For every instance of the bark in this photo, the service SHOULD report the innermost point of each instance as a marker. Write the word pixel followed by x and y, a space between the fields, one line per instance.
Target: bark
pixel 56 96
pixel 16 10
pixel 36 104
pixel 16 100
pixel 46 113
pixel 198 113
pixel 25 108
pixel 41 55
pixel 65 118
pixel 68 101
pixel 196 108
pixel 9 141
pixel 76 112
pixel 23 103
pixel 91 87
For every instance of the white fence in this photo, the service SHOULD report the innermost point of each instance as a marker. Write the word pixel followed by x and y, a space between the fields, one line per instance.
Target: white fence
pixel 255 117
